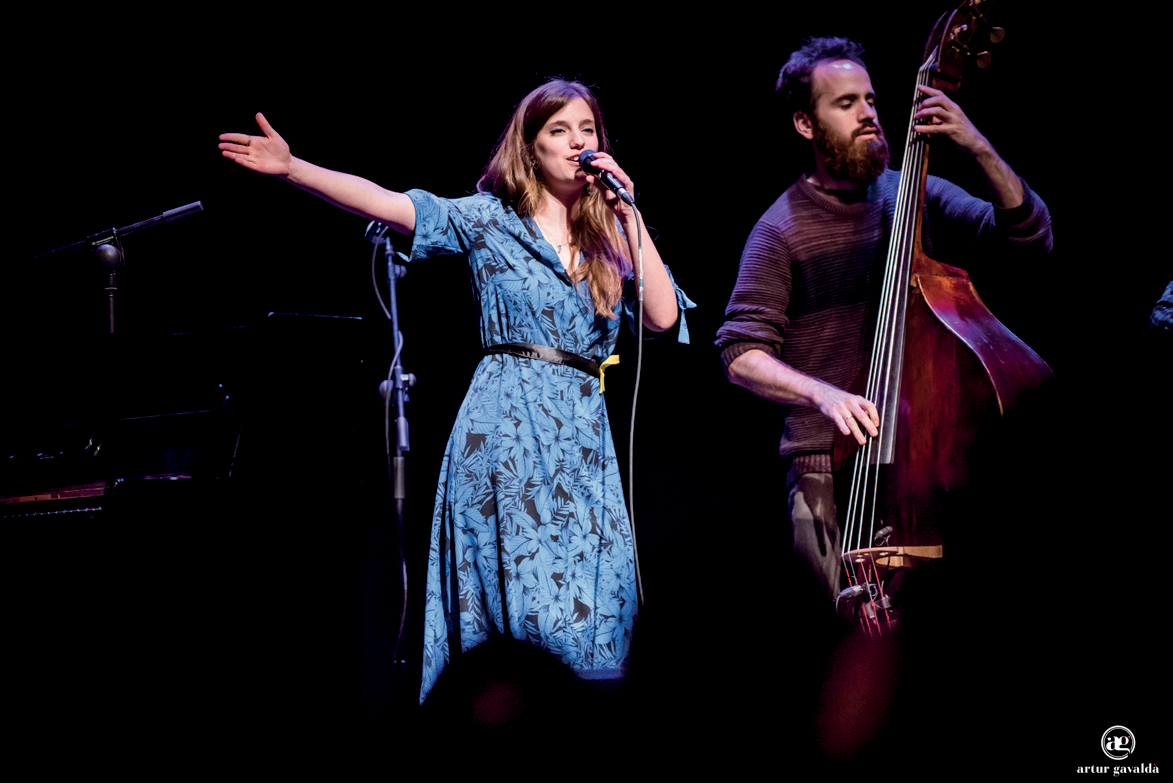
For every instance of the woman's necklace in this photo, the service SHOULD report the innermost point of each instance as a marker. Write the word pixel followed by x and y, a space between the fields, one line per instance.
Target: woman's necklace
pixel 547 233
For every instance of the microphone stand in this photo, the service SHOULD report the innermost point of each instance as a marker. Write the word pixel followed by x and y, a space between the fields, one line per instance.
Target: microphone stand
pixel 400 381
pixel 107 246
pixel 394 391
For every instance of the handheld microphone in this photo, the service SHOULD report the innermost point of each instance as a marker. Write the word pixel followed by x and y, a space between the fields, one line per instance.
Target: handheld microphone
pixel 587 161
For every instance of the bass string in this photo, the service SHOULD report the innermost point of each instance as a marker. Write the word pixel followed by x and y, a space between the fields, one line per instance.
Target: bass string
pixel 885 360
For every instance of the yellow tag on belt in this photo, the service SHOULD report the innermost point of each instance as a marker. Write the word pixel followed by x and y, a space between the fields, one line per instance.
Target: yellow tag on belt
pixel 612 359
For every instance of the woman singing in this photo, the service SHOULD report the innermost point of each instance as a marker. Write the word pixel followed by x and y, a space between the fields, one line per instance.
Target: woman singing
pixel 530 536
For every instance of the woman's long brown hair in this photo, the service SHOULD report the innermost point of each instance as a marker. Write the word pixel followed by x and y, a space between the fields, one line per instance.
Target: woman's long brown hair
pixel 512 176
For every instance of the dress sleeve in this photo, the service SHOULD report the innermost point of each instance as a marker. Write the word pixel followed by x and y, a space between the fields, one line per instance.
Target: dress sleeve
pixel 756 315
pixel 441 227
pixel 1162 316
pixel 631 300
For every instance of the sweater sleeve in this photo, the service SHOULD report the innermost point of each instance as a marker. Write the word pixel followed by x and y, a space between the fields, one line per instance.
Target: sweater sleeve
pixel 962 223
pixel 756 315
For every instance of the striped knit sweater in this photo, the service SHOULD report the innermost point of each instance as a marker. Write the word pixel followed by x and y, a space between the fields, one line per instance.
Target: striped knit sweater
pixel 810 275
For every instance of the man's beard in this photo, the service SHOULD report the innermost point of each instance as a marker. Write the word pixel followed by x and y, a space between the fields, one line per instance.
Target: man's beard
pixel 845 159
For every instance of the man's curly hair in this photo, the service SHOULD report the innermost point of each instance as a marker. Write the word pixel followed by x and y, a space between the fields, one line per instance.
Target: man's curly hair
pixel 794 80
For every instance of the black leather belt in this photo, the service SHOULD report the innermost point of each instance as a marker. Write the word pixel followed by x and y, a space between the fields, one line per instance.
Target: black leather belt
pixel 547 354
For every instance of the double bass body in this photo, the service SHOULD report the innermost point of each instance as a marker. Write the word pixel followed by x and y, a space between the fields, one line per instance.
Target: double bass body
pixel 944 370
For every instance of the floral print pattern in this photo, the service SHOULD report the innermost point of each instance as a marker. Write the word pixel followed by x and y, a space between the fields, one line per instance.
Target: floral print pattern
pixel 530 536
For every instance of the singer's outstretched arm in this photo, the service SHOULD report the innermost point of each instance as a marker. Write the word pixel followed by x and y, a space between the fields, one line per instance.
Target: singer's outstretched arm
pixel 269 154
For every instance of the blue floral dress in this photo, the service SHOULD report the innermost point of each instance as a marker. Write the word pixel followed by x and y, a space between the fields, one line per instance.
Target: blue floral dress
pixel 530 536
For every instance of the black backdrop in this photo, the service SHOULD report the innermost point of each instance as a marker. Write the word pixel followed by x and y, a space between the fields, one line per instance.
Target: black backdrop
pixel 110 123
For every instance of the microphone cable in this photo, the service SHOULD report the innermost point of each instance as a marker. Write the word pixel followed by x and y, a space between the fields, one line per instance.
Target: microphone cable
pixel 639 356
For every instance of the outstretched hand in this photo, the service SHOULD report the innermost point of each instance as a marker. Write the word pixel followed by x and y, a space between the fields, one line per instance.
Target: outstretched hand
pixel 268 154
pixel 946 118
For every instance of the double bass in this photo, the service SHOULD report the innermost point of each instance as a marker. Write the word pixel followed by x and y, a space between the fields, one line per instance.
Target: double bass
pixel 943 369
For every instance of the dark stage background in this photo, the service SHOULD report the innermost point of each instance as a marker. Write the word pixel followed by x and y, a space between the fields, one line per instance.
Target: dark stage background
pixel 247 602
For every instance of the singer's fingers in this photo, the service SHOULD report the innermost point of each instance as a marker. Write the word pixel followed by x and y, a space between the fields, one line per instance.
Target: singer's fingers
pixel 603 158
pixel 265 127
pixel 609 164
pixel 605 161
pixel 239 157
pixel 235 138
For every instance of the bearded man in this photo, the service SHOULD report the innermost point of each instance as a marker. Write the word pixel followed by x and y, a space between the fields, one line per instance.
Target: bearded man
pixel 799 327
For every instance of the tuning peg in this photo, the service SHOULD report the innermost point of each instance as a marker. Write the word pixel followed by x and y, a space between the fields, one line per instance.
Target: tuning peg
pixel 996 33
pixel 958 38
pixel 982 59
